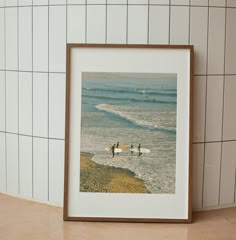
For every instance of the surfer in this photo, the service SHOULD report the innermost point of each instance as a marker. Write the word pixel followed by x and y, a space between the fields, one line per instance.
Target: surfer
pixel 132 149
pixel 113 150
pixel 139 149
pixel 117 146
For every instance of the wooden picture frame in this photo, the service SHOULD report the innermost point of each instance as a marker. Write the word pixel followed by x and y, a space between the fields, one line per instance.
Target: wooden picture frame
pixel 131 94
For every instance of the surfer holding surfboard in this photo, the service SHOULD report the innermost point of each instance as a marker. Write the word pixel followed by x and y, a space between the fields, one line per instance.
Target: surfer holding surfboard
pixel 117 148
pixel 113 150
pixel 139 149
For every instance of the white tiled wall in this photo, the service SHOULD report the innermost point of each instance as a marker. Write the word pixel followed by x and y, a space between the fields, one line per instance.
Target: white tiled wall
pixel 25 166
pixel 33 36
pixel 159 24
pixel 40 104
pixel 25 103
pixel 25 39
pixel 40 38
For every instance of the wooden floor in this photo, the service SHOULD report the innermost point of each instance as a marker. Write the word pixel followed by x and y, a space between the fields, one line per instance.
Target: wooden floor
pixel 26 220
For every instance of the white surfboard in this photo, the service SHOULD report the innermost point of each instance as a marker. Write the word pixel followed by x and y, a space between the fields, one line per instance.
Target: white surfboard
pixel 142 150
pixel 116 150
pixel 122 147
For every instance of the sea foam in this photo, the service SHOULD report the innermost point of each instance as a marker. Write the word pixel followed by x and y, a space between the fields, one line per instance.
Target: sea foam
pixel 137 122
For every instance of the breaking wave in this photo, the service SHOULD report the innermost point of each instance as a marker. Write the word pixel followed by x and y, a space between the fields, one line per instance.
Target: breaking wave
pixel 137 122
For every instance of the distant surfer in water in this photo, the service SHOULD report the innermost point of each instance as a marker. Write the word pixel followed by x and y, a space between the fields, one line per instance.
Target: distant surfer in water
pixel 117 146
pixel 113 150
pixel 132 149
pixel 139 149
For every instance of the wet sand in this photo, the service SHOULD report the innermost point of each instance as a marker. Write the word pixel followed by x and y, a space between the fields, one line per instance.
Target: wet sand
pixel 100 178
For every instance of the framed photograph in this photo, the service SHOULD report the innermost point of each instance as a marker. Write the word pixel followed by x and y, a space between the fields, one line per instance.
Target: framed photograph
pixel 128 133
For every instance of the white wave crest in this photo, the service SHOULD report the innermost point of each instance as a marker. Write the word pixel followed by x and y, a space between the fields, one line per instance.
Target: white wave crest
pixel 125 115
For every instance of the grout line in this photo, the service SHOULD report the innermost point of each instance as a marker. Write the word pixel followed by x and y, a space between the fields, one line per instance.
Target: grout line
pixel 196 75
pixel 235 186
pixel 148 22
pixel 231 140
pixel 48 98
pixel 169 20
pixel 127 22
pixel 32 89
pixel 204 159
pixel 18 95
pixel 66 22
pixel 189 24
pixel 213 75
pixel 5 78
pixel 86 22
pixel 119 4
pixel 106 25
pixel 35 136
pixel 222 124
pixel 48 92
pixel 26 135
pixel 11 70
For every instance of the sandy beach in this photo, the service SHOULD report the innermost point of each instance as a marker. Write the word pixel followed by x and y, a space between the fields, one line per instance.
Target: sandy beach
pixel 100 178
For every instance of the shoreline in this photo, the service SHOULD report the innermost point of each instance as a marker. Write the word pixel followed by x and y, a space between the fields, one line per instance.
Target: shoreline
pixel 96 177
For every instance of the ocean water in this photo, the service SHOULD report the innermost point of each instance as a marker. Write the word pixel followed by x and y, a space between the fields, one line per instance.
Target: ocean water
pixel 132 109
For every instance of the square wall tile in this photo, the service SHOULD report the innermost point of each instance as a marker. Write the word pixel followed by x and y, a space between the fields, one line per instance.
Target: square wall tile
pixel 214 108
pixel 198 37
pixel 76 24
pixel 40 104
pixel 2 39
pixel 199 103
pixel 12 164
pixel 179 25
pixel 25 103
pixel 11 38
pixel 96 24
pixel 2 101
pixel 40 39
pixel 228 171
pixel 57 85
pixel 12 102
pixel 116 24
pixel 198 164
pixel 57 39
pixel 211 174
pixel 25 166
pixel 40 169
pixel 216 41
pixel 229 120
pixel 159 25
pixel 3 168
pixel 25 38
pixel 230 55
pixel 2 3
